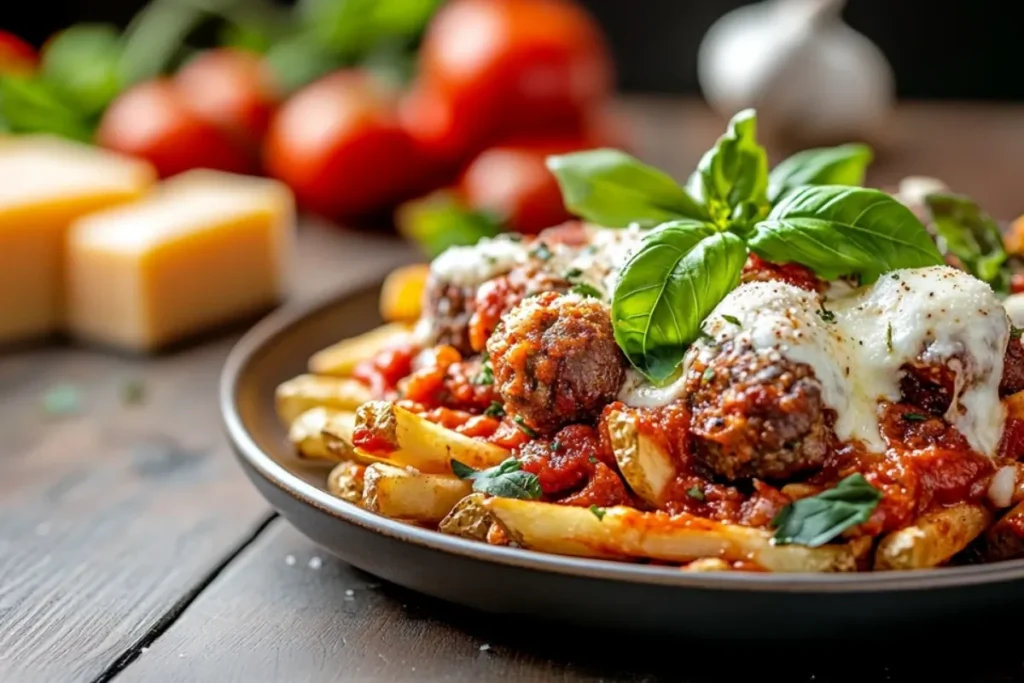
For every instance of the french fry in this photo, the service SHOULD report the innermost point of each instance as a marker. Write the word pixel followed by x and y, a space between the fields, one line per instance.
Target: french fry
pixel 933 539
pixel 402 493
pixel 306 433
pixel 336 432
pixel 401 295
pixel 708 564
pixel 415 441
pixel 346 481
pixel 342 358
pixel 468 519
pixel 644 463
pixel 1004 540
pixel 304 392
pixel 623 532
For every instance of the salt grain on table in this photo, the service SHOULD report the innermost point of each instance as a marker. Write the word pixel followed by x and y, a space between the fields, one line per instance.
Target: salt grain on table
pixel 485 647
pixel 315 562
pixel 289 560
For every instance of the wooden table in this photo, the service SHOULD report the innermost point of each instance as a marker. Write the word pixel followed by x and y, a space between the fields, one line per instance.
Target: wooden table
pixel 132 548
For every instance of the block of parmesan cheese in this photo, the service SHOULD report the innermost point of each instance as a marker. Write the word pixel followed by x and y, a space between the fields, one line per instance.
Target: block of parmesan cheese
pixel 45 184
pixel 204 250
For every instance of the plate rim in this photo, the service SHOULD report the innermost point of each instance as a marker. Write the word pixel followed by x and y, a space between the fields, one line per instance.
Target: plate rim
pixel 262 336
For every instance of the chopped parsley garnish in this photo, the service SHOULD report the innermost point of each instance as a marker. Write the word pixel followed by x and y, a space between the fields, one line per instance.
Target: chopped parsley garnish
pixel 523 427
pixel 507 480
pixel 888 338
pixel 701 334
pixel 592 460
pixel 583 289
pixel 826 315
pixel 495 410
pixel 573 273
pixel 1015 332
pixel 598 512
pixel 542 251
pixel 486 375
pixel 709 374
pixel 732 319
pixel 556 445
pixel 914 417
pixel 695 493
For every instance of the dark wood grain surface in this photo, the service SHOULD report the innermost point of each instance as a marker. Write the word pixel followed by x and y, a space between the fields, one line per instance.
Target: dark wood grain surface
pixel 131 546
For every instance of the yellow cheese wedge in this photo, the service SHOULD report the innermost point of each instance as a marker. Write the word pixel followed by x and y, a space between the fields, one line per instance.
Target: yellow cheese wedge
pixel 45 184
pixel 204 250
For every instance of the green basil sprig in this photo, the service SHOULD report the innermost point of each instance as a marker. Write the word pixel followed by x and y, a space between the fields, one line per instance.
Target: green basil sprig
pixel 968 233
pixel 816 520
pixel 808 210
pixel 837 231
pixel 731 179
pixel 842 165
pixel 683 261
pixel 613 189
pixel 505 480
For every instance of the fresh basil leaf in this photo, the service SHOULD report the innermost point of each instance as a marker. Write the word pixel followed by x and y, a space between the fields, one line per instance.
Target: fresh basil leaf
pixel 439 221
pixel 82 62
pixel 842 165
pixel 838 231
pixel 613 189
pixel 817 520
pixel 969 234
pixel 681 271
pixel 732 177
pixel 505 480
pixel 30 105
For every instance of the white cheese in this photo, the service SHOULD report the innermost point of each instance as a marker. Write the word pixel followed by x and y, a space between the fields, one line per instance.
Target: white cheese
pixel 636 391
pixel 1014 305
pixel 934 315
pixel 471 266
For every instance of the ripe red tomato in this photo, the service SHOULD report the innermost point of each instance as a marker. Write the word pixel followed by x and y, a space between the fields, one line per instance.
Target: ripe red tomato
pixel 338 144
pixel 152 121
pixel 513 182
pixel 231 88
pixel 16 56
pixel 512 66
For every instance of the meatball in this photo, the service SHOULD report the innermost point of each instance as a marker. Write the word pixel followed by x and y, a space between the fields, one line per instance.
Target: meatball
pixel 500 295
pixel 555 361
pixel 756 415
pixel 1013 368
pixel 449 308
pixel 928 387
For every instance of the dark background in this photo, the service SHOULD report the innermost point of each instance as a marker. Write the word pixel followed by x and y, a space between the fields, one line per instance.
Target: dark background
pixel 953 49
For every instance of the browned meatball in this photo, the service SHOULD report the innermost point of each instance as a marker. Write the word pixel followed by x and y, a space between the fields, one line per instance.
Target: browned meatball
pixel 929 387
pixel 1013 368
pixel 449 308
pixel 555 361
pixel 756 415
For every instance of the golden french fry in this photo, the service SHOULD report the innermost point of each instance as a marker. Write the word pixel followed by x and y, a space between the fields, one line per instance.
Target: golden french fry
pixel 401 295
pixel 304 392
pixel 336 431
pixel 1004 540
pixel 623 532
pixel 468 519
pixel 306 433
pixel 1014 238
pixel 708 564
pixel 415 441
pixel 342 358
pixel 933 539
pixel 403 493
pixel 645 465
pixel 346 481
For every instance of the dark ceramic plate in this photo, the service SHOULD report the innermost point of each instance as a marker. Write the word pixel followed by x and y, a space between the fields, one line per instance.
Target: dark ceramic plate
pixel 596 593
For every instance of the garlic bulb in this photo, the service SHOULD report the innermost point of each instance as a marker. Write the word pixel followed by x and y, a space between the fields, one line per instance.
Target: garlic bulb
pixel 808 74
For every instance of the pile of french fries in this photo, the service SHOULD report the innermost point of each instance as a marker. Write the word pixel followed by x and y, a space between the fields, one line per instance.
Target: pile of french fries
pixel 414 482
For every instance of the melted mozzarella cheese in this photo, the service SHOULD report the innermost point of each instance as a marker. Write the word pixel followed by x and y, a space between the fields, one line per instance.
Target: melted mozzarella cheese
pixel 937 315
pixel 471 266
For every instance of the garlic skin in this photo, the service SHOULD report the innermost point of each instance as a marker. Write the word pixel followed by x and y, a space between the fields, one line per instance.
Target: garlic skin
pixel 808 74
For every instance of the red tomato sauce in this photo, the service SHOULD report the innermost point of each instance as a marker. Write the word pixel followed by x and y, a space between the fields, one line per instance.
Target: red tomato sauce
pixel 575 467
pixel 382 372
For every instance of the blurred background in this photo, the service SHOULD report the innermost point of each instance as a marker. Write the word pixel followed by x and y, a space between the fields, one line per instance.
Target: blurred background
pixel 938 48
